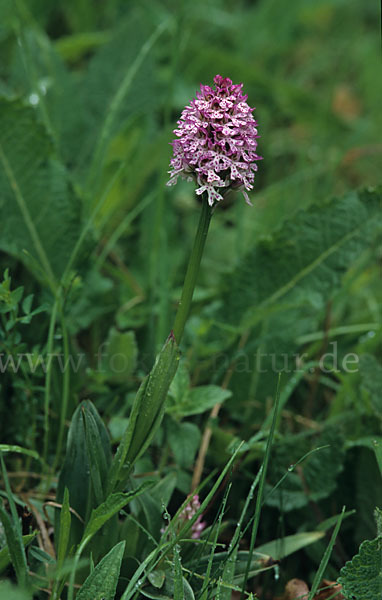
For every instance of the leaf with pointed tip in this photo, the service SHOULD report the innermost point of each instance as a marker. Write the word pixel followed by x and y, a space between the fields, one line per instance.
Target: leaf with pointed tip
pixel 102 582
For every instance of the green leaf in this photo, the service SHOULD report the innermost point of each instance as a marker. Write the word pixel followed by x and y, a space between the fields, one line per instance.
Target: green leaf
pixel 101 584
pixel 98 449
pixel 259 562
pixel 5 557
pixel 146 414
pixel 283 547
pixel 200 399
pixel 168 590
pixel 307 256
pixel 38 210
pixel 113 504
pixel 121 355
pixel 19 450
pixel 325 558
pixel 85 467
pixel 64 533
pixel 361 578
pixel 157 578
pixel 184 440
pixel 180 385
pixel 319 470
pixel 15 546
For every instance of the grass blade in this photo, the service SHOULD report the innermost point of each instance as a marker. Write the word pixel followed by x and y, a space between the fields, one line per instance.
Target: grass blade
pixel 326 556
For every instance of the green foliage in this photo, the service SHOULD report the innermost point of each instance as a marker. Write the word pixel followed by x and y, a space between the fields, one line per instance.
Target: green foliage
pixel 102 582
pixel 186 401
pixel 38 207
pixel 84 472
pixel 146 414
pixel 361 578
pixel 303 262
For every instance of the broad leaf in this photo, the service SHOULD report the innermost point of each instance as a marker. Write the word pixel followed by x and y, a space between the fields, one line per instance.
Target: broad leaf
pixel 38 209
pixel 361 578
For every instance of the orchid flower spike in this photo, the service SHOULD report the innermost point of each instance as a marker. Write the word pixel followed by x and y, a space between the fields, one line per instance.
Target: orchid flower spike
pixel 216 142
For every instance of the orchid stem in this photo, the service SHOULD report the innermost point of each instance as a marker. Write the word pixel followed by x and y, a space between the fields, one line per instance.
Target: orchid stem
pixel 192 270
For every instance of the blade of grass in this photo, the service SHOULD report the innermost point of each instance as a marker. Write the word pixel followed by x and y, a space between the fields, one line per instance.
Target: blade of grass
pixel 378 454
pixel 158 554
pixel 326 556
pixel 13 532
pixel 204 592
pixel 259 499
pixel 63 539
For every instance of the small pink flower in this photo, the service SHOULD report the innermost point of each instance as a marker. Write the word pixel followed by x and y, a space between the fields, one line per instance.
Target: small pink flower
pixel 216 142
pixel 186 515
pixel 188 512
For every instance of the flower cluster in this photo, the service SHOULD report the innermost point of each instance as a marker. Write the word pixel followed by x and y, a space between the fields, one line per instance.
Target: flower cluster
pixel 216 141
pixel 186 515
pixel 188 512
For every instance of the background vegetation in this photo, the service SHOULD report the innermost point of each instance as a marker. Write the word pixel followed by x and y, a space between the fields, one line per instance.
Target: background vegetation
pixel 93 253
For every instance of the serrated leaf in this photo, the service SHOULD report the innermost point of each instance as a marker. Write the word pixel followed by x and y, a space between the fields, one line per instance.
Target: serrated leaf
pixel 319 470
pixel 38 210
pixel 101 584
pixel 361 578
pixel 307 256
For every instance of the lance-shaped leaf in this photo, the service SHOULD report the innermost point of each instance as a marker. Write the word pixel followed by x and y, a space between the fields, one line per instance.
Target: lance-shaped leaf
pixel 146 414
pixel 102 582
pixel 87 460
pixel 109 508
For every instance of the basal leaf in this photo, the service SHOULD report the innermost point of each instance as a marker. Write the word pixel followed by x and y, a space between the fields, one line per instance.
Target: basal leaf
pixel 102 582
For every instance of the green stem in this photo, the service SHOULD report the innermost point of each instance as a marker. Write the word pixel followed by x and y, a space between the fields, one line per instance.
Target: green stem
pixel 48 378
pixel 192 270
